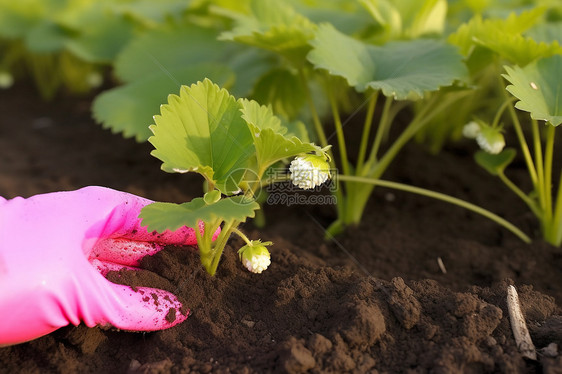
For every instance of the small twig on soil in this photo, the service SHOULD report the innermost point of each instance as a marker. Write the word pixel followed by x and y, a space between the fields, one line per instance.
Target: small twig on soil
pixel 441 265
pixel 518 325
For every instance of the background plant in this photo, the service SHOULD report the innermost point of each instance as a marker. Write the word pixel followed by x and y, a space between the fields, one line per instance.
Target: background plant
pixel 294 56
pixel 529 43
pixel 312 62
pixel 67 44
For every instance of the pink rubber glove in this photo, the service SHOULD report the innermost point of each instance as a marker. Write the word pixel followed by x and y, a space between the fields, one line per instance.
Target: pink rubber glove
pixel 54 249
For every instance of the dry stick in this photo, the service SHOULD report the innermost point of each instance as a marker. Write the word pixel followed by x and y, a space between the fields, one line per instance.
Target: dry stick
pixel 441 265
pixel 518 325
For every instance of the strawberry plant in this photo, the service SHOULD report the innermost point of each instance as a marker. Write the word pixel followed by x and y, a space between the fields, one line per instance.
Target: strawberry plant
pixel 292 57
pixel 231 143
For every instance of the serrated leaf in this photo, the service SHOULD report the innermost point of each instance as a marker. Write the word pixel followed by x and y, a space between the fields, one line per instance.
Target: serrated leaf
pixel 404 70
pixel 129 108
pixel 202 130
pixel 517 48
pixel 538 88
pixel 495 163
pixel 267 131
pixel 261 116
pixel 505 37
pixel 275 26
pixel 478 28
pixel 168 216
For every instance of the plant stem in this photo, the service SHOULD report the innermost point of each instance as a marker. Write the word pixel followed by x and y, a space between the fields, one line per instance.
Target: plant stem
pixel 339 130
pixel 315 118
pixel 219 246
pixel 556 230
pixel 384 122
pixel 242 235
pixel 366 130
pixel 539 187
pixel 523 144
pixel 500 111
pixel 526 199
pixel 421 118
pixel 356 203
pixel 443 197
pixel 548 155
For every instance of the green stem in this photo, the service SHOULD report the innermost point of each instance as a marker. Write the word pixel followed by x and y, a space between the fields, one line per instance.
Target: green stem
pixel 556 230
pixel 315 117
pixel 366 130
pixel 443 197
pixel 356 203
pixel 219 246
pixel 500 111
pixel 540 187
pixel 339 130
pixel 526 199
pixel 384 123
pixel 421 118
pixel 200 240
pixel 548 155
pixel 242 235
pixel 523 144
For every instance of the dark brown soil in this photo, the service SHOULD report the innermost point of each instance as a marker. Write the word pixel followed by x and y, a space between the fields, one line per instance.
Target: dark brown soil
pixel 374 300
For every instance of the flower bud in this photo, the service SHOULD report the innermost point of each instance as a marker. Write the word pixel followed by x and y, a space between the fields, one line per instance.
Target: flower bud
pixel 491 140
pixel 94 79
pixel 255 257
pixel 471 130
pixel 309 171
pixel 6 80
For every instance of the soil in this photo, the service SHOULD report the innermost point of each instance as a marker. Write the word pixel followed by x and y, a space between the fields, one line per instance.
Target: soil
pixel 373 300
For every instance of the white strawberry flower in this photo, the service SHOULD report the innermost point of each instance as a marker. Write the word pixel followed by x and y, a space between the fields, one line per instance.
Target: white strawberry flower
pixel 254 256
pixel 471 130
pixel 309 171
pixel 491 140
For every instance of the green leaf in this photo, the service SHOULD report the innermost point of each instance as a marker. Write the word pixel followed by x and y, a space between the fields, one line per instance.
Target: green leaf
pixel 273 25
pixel 167 216
pixel 129 108
pixel 404 70
pixel 346 15
pixel 46 37
pixel 151 12
pixel 538 88
pixel 172 47
pixel 495 163
pixel 478 28
pixel 202 130
pixel 408 18
pixel 17 18
pixel 212 197
pixel 168 48
pixel 283 90
pixel 101 34
pixel 546 32
pixel 268 133
pixel 505 37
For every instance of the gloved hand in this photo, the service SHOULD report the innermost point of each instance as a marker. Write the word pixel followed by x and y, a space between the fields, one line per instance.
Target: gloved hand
pixel 54 249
